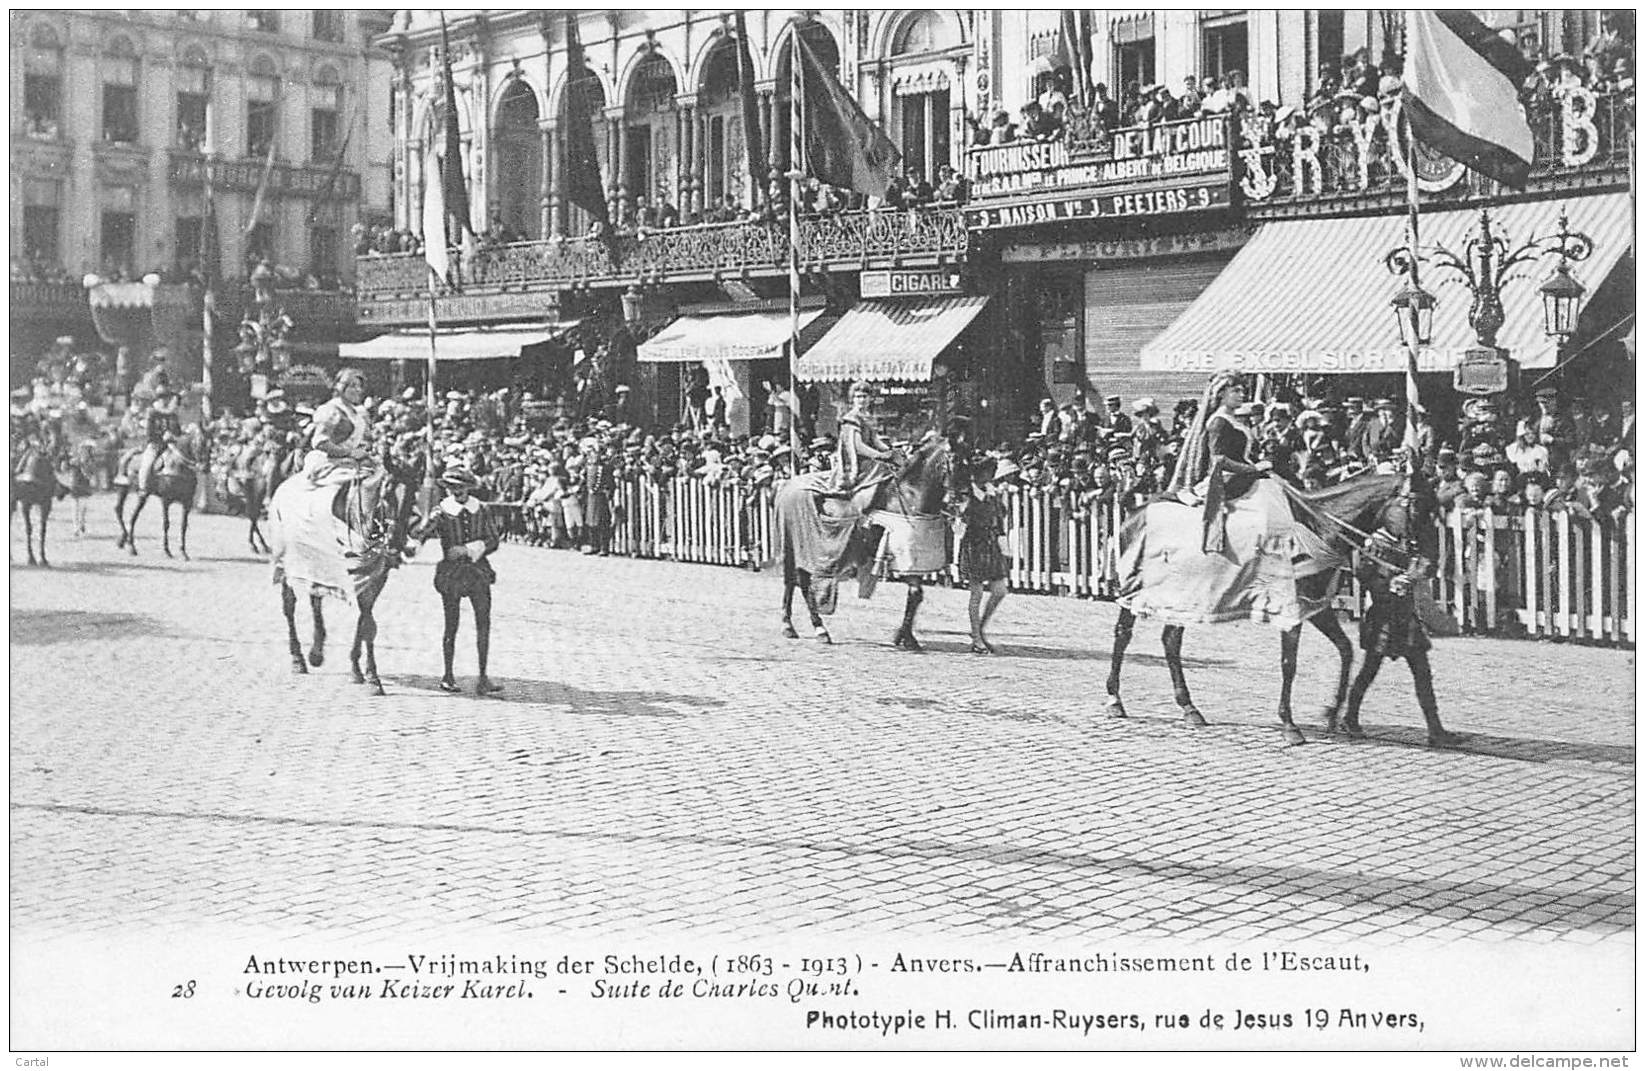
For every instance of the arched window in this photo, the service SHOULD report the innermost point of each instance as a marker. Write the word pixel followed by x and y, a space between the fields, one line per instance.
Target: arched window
pixel 920 89
pixel 517 165
pixel 650 118
pixel 722 151
pixel 325 116
pixel 262 106
pixel 193 99
pixel 118 66
pixel 43 84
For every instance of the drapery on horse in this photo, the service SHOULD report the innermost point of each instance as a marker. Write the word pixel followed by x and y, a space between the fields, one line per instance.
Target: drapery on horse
pixel 34 485
pixel 826 538
pixel 340 542
pixel 1166 574
pixel 176 477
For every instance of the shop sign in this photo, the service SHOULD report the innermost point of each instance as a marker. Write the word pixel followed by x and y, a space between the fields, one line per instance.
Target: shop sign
pixel 1164 245
pixel 1132 203
pixel 1161 152
pixel 305 381
pixel 1322 361
pixel 878 284
pixel 1481 371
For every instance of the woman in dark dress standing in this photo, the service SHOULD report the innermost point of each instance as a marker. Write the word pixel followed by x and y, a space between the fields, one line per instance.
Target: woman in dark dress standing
pixel 981 559
pixel 469 536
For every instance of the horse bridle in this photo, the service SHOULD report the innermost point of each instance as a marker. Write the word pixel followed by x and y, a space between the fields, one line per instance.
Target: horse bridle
pixel 1365 540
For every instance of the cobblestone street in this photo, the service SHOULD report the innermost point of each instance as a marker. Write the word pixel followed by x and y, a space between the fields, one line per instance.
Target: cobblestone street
pixel 663 758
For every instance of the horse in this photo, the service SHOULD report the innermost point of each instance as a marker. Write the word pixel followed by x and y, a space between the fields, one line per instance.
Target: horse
pixel 175 479
pixel 34 486
pixel 1328 524
pixel 263 472
pixel 337 543
pixel 825 536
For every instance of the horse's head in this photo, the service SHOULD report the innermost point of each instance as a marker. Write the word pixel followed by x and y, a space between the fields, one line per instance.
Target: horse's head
pixel 1408 513
pixel 923 484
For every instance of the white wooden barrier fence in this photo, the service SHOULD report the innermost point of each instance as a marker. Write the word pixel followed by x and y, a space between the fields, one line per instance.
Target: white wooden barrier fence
pixel 1536 574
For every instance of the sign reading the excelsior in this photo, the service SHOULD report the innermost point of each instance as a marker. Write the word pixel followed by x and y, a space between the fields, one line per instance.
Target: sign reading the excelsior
pixel 876 284
pixel 1134 203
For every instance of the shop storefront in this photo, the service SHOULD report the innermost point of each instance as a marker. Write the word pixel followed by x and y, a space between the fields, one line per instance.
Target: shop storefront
pixel 1101 244
pixel 914 333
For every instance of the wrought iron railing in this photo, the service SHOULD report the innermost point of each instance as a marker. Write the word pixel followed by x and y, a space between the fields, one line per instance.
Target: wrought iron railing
pixel 58 299
pixel 723 249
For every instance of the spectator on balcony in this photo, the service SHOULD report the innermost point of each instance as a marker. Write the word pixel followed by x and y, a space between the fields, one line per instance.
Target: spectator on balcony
pixel 1002 131
pixel 1104 107
pixel 1036 124
pixel 1189 103
pixel 952 189
pixel 1527 452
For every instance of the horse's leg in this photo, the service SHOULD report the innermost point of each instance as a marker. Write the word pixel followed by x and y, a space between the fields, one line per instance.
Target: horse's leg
pixel 1171 638
pixel 165 525
pixel 288 604
pixel 904 637
pixel 131 526
pixel 28 533
pixel 1287 675
pixel 789 584
pixel 365 633
pixel 79 516
pixel 182 545
pixel 45 515
pixel 1122 639
pixel 317 652
pixel 1330 626
pixel 120 516
pixel 818 629
pixel 359 643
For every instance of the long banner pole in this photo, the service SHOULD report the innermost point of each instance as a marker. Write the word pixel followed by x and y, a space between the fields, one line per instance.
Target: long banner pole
pixel 1413 400
pixel 428 386
pixel 796 168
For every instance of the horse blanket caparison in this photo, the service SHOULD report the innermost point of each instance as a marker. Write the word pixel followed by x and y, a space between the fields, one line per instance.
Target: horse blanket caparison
pixel 311 547
pixel 1166 574
pixel 825 534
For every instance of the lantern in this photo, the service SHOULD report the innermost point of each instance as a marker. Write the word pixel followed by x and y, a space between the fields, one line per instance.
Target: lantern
pixel 1414 309
pixel 1561 301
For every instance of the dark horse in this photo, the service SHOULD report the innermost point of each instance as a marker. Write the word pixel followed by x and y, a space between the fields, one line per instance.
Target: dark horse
pixel 377 531
pixel 1333 522
pixel 34 486
pixel 175 479
pixel 267 467
pixel 826 537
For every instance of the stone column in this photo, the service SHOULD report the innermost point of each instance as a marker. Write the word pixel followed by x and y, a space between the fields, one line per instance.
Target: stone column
pixel 688 191
pixel 549 222
pixel 699 162
pixel 621 179
pixel 768 134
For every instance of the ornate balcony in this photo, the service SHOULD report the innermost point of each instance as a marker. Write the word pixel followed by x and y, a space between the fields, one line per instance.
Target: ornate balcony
pixel 1583 141
pixel 309 309
pixel 510 280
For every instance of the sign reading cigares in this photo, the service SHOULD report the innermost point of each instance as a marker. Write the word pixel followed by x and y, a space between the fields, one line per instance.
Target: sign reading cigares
pixel 1182 166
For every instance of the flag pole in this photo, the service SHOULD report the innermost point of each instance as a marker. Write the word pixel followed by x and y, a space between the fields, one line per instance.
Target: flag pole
pixel 428 387
pixel 1412 195
pixel 796 168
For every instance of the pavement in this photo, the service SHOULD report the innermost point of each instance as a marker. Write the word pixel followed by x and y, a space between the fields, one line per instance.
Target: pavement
pixel 662 760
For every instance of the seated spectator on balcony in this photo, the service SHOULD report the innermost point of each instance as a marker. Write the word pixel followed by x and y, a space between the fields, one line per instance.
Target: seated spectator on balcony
pixel 1036 124
pixel 1002 131
pixel 1055 93
pixel 667 214
pixel 1189 103
pixel 951 189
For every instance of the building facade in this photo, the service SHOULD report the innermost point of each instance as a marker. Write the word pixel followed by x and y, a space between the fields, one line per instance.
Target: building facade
pixel 122 120
pixel 1076 250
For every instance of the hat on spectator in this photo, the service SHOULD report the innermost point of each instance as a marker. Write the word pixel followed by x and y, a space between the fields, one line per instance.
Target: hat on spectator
pixel 1112 401
pixel 458 478
pixel 1386 403
pixel 1280 409
pixel 1547 392
pixel 1310 418
pixel 1447 453
pixel 822 442
pixel 1006 469
pixel 781 450
pixel 767 442
pixel 65 340
pixel 1143 405
pixel 623 388
pixel 454 395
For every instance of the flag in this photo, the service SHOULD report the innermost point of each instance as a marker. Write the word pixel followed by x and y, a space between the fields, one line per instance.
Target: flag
pixel 330 188
pixel 262 189
pixel 445 196
pixel 752 143
pixel 582 163
pixel 842 146
pixel 1462 85
pixel 1074 48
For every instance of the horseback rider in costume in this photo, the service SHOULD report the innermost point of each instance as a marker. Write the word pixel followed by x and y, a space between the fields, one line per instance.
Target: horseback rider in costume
pixel 861 456
pixel 1219 457
pixel 340 447
pixel 161 428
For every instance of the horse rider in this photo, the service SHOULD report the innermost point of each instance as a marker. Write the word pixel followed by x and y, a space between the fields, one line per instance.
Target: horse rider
pixel 1219 457
pixel 162 427
pixel 860 455
pixel 340 442
pixel 279 425
pixel 469 535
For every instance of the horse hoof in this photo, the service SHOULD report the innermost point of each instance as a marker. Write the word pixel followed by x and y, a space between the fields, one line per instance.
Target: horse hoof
pixel 1192 718
pixel 298 668
pixel 824 638
pixel 186 557
pixel 169 554
pixel 316 659
pixel 356 676
pixel 789 633
pixel 1353 731
pixel 1116 709
pixel 1293 736
pixel 377 689
pixel 1445 738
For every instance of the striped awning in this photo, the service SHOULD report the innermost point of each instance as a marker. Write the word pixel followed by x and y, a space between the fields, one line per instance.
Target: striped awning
pixel 455 345
pixel 1313 295
pixel 748 336
pixel 889 340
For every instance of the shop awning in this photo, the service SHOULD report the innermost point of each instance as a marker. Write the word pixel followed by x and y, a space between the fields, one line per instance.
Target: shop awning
pixel 889 340
pixel 1312 295
pixel 468 344
pixel 747 336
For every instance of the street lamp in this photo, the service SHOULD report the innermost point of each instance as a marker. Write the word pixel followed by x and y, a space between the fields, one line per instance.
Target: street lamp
pixel 1485 266
pixel 1414 309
